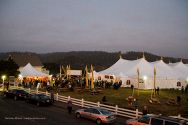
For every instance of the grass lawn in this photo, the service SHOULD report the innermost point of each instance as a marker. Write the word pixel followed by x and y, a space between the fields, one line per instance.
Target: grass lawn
pixel 118 97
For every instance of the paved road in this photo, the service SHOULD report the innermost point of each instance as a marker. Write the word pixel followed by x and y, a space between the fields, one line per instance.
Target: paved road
pixel 18 112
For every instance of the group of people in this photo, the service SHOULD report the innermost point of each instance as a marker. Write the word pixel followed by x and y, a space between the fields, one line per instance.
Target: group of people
pixel 184 90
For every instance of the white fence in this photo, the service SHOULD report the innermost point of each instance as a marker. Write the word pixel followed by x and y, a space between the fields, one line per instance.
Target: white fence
pixel 83 103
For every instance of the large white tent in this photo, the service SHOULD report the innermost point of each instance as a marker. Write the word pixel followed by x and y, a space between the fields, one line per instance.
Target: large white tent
pixel 181 69
pixel 164 71
pixel 30 71
pixel 166 76
pixel 144 67
pixel 116 69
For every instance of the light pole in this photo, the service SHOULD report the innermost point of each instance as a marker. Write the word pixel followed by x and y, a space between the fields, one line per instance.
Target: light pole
pixel 3 78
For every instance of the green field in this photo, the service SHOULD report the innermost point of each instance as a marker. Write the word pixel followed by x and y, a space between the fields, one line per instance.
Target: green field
pixel 118 97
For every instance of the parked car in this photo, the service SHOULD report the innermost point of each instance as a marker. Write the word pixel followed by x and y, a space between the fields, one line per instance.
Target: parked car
pixel 155 120
pixel 39 99
pixel 16 94
pixel 97 114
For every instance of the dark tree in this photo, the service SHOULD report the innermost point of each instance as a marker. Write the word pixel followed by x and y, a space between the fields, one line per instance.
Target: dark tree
pixel 8 67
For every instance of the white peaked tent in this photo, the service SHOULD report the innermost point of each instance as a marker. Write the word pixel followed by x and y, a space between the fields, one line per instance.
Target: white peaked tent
pixel 129 68
pixel 30 71
pixel 166 76
pixel 145 68
pixel 146 73
pixel 164 71
pixel 181 69
pixel 116 69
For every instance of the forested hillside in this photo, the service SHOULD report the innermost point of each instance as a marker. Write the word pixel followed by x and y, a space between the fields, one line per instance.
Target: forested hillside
pixel 100 60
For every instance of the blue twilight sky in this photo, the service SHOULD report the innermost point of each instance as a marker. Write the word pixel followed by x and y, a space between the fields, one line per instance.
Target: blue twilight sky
pixel 156 26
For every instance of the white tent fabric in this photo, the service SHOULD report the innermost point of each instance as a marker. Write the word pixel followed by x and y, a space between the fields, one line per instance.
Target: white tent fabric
pixel 129 68
pixel 180 69
pixel 30 71
pixel 145 68
pixel 164 71
pixel 117 69
pixel 167 76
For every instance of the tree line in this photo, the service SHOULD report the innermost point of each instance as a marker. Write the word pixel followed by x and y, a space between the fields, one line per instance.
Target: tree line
pixel 99 59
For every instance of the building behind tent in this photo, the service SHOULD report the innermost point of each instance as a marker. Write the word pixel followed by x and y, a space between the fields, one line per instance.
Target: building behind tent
pixel 22 59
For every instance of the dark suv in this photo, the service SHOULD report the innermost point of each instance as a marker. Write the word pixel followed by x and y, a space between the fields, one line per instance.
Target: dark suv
pixel 39 99
pixel 155 120
pixel 16 94
pixel 162 120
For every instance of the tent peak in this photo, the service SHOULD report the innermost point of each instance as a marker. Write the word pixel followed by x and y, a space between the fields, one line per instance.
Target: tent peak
pixel 120 56
pixel 143 56
pixel 161 58
pixel 181 60
pixel 29 64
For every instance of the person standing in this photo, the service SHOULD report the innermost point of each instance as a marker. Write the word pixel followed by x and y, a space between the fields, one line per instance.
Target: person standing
pixel 7 86
pixel 104 99
pixel 182 89
pixel 69 106
pixel 178 100
pixel 135 103
pixel 145 110
pixel 52 96
pixel 157 90
pixel 38 85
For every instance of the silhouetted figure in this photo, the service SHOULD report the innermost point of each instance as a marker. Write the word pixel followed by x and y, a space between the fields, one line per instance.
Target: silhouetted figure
pixel 69 106
pixel 145 110
pixel 104 99
pixel 182 89
pixel 186 88
pixel 132 87
pixel 7 86
pixel 178 100
pixel 52 95
pixel 135 103
pixel 157 90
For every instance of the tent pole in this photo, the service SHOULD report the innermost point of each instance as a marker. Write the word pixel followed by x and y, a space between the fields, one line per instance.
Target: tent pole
pixel 154 80
pixel 60 72
pixel 86 76
pixel 138 73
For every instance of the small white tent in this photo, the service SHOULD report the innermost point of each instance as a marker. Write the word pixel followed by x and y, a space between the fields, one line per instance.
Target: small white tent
pixel 30 71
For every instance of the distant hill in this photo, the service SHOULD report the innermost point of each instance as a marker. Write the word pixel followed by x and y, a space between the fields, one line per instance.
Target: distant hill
pixel 99 59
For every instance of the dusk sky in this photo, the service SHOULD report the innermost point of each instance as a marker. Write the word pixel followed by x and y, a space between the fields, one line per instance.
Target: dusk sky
pixel 156 26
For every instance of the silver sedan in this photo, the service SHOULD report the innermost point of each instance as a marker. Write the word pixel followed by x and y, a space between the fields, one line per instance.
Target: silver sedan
pixel 97 114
